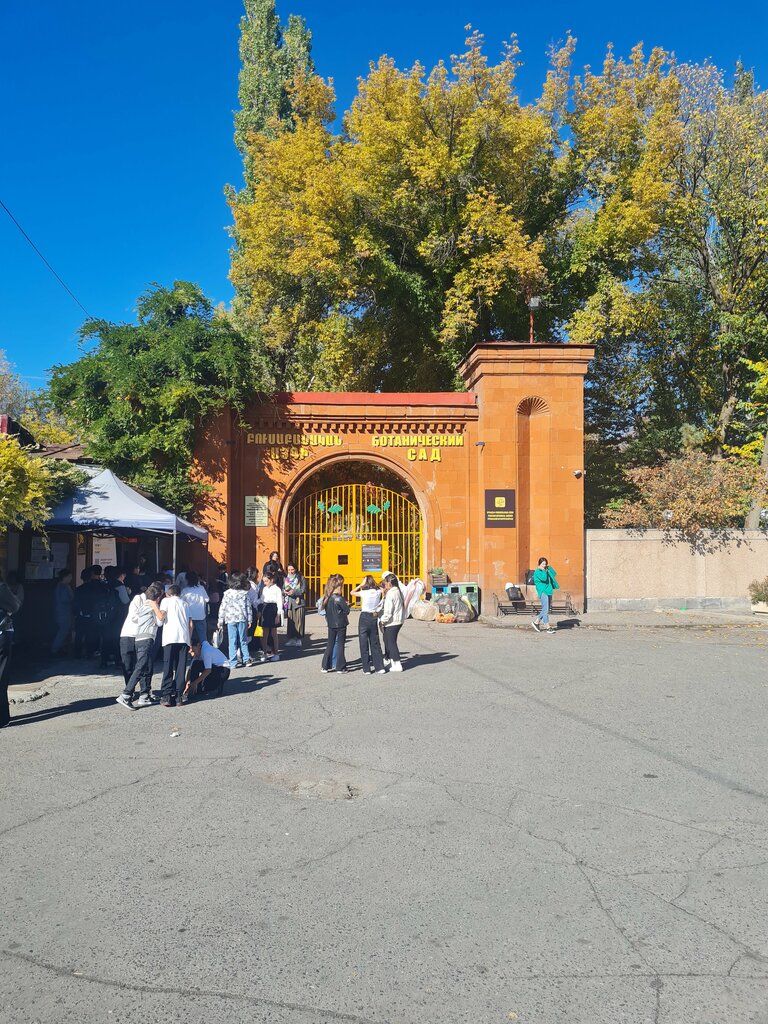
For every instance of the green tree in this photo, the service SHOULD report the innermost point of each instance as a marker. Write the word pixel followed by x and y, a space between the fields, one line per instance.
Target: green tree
pixel 271 56
pixel 139 395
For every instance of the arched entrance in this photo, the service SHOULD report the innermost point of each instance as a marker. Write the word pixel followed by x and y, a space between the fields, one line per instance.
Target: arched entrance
pixel 354 517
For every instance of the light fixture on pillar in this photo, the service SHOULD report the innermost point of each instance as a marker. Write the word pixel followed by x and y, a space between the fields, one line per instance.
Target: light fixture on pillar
pixel 534 303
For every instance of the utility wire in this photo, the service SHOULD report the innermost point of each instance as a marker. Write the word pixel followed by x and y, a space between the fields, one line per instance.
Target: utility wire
pixel 45 261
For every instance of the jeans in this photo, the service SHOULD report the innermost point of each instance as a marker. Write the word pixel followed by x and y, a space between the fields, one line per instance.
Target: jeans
pixel 6 643
pixel 336 639
pixel 174 666
pixel 368 634
pixel 544 613
pixel 238 638
pixel 142 667
pixel 391 650
pixel 199 630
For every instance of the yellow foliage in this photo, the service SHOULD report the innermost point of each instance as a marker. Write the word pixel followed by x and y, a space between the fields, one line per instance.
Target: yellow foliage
pixel 25 487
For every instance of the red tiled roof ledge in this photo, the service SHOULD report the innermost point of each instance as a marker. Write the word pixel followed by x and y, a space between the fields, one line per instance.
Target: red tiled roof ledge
pixel 414 398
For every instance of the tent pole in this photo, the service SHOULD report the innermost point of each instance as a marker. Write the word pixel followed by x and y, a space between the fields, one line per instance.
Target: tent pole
pixel 174 552
pixel 157 555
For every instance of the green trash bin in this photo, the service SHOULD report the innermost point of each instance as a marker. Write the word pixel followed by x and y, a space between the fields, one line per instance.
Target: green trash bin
pixel 470 590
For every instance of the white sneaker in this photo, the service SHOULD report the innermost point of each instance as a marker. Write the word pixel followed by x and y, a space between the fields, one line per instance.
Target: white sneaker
pixel 535 625
pixel 125 701
pixel 387 662
pixel 395 667
pixel 381 672
pixel 275 657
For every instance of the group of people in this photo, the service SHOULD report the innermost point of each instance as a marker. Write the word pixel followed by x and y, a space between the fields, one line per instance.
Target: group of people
pixel 382 605
pixel 133 617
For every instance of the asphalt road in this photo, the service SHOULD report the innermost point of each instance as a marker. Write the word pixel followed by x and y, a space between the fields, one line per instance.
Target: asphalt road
pixel 519 827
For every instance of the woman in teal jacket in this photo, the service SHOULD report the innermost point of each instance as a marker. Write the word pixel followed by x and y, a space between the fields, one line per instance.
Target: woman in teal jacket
pixel 545 579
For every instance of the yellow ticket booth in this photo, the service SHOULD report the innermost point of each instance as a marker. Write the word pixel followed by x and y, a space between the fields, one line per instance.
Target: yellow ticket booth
pixel 353 559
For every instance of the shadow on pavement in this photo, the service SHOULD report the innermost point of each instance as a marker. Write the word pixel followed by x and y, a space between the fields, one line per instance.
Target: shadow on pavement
pixel 30 717
pixel 417 660
pixel 241 684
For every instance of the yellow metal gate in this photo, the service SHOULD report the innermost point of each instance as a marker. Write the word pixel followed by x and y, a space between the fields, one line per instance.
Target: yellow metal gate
pixel 361 523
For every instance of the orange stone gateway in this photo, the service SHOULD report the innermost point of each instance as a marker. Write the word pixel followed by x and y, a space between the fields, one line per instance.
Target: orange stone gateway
pixel 480 484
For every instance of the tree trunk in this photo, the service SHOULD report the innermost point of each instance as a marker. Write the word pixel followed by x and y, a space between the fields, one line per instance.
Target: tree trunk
pixel 753 516
pixel 726 415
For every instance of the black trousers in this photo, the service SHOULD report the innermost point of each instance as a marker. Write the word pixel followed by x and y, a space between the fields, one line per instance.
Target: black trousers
pixel 370 648
pixel 87 636
pixel 174 667
pixel 128 657
pixel 141 671
pixel 215 680
pixel 391 650
pixel 6 644
pixel 341 661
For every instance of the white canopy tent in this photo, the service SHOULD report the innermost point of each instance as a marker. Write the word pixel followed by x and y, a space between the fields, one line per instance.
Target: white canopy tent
pixel 106 503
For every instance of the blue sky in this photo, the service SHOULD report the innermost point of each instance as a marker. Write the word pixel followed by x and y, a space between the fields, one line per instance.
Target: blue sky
pixel 117 126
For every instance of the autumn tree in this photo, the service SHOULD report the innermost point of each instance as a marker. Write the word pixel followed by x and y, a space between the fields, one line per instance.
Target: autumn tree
pixel 377 257
pixel 141 392
pixel 689 493
pixel 31 486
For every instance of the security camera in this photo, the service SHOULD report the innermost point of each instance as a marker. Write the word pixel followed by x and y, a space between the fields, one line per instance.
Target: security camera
pixel 578 473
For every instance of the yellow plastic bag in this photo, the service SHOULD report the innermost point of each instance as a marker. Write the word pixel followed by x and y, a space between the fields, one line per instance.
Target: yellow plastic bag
pixel 258 631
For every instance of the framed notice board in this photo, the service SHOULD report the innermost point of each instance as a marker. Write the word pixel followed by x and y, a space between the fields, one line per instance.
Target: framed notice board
pixel 256 510
pixel 372 557
pixel 500 509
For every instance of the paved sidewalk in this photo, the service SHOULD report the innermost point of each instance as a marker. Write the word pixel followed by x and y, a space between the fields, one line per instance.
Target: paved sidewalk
pixel 666 618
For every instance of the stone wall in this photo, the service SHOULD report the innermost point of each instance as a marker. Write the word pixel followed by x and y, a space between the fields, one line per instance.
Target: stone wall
pixel 642 570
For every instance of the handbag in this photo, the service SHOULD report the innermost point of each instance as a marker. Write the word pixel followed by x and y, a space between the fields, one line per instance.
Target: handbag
pixel 258 631
pixel 217 637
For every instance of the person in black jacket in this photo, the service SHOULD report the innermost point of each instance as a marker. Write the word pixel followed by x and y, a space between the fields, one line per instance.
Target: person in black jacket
pixel 9 604
pixel 274 568
pixel 336 611
pixel 90 606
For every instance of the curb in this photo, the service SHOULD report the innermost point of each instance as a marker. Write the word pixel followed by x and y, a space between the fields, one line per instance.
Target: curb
pixel 609 627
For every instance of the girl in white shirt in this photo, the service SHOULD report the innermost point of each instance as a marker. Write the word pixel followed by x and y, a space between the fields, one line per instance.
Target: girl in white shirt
pixel 367 630
pixel 271 615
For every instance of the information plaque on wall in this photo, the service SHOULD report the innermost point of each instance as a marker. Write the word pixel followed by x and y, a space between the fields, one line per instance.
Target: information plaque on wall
pixel 256 510
pixel 500 509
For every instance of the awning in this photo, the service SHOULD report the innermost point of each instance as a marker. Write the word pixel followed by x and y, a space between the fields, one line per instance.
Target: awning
pixel 107 503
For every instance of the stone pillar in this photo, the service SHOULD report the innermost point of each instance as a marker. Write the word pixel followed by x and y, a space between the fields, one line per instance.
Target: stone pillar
pixel 531 441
